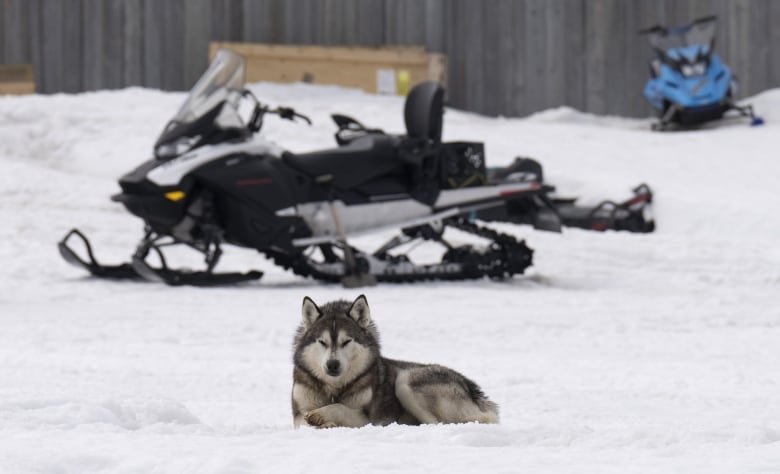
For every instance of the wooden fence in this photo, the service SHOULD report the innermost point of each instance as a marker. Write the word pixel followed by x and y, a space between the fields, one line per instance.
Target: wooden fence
pixel 509 57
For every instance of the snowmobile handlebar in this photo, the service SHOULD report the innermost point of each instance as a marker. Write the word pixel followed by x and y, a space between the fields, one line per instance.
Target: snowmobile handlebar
pixel 260 110
pixel 289 113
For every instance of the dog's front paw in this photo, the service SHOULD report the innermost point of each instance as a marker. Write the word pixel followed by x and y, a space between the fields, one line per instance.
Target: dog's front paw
pixel 316 419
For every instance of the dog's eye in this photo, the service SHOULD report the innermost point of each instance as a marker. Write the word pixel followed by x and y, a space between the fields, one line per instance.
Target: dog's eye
pixel 344 344
pixel 322 342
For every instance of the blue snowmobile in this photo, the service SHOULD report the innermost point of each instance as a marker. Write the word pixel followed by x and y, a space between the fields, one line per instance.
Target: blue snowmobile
pixel 689 84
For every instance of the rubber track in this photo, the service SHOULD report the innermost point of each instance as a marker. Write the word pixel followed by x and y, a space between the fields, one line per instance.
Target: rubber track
pixel 504 257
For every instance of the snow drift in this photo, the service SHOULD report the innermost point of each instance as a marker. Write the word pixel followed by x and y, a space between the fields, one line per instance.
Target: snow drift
pixel 615 353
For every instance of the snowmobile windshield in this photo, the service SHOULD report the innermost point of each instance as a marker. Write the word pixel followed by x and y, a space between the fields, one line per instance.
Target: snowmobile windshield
pixel 700 33
pixel 224 78
pixel 212 104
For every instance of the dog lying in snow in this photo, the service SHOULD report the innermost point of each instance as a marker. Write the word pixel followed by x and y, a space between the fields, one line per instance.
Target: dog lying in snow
pixel 341 379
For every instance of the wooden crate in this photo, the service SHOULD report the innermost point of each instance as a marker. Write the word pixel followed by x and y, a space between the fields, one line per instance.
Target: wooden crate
pixel 17 79
pixel 385 70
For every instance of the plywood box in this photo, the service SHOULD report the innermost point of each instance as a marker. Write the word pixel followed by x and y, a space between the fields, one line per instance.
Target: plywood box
pixel 387 70
pixel 17 79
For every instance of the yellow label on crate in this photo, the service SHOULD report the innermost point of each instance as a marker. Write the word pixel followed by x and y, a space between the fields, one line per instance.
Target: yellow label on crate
pixel 403 82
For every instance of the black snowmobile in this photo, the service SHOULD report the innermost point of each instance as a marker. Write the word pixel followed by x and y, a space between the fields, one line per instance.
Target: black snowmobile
pixel 214 180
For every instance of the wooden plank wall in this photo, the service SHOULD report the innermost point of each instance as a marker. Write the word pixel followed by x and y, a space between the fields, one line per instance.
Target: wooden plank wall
pixel 506 57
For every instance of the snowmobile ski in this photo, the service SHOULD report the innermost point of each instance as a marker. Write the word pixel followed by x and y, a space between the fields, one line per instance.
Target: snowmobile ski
pixel 140 269
pixel 116 272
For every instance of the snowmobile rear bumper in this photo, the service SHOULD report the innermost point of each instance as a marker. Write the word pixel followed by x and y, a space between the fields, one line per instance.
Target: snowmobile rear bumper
pixel 544 212
pixel 632 215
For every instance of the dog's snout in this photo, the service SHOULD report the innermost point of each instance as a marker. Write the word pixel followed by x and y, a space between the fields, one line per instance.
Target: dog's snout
pixel 333 366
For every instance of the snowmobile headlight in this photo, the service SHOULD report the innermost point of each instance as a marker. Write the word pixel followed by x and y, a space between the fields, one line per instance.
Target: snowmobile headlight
pixel 177 147
pixel 175 196
pixel 697 69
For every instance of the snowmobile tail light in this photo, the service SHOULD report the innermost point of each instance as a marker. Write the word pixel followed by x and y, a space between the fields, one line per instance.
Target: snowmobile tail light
pixel 175 196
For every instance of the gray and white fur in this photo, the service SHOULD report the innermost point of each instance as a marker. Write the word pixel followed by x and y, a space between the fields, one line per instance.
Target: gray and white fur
pixel 340 378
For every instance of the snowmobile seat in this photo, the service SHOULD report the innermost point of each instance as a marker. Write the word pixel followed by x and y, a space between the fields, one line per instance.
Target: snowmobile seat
pixel 360 160
pixel 424 111
pixel 375 155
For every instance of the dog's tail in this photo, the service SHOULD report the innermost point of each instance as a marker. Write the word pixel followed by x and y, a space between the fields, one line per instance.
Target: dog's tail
pixel 485 405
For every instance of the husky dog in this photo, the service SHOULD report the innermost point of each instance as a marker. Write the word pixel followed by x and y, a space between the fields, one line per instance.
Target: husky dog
pixel 340 379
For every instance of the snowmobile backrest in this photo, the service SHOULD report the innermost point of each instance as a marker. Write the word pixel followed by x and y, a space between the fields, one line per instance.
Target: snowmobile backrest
pixel 423 111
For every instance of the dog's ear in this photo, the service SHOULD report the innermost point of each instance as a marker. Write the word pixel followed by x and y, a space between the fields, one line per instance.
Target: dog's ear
pixel 359 311
pixel 310 311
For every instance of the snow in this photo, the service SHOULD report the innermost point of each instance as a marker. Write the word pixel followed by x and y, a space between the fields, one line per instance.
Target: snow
pixel 616 352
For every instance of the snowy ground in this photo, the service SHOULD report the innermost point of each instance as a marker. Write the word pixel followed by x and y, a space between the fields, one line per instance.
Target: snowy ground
pixel 615 353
